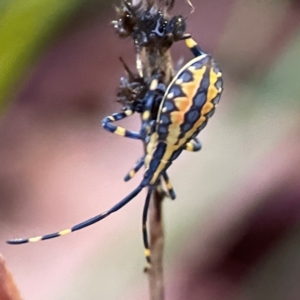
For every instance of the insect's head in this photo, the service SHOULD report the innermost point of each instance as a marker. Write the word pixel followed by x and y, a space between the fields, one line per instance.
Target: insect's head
pixel 148 27
pixel 176 27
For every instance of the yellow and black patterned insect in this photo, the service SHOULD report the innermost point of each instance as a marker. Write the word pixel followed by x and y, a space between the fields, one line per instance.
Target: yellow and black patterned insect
pixel 187 104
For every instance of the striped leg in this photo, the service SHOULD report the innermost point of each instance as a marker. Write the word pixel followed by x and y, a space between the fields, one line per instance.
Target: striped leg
pixel 81 225
pixel 169 186
pixel 193 46
pixel 193 146
pixel 148 106
pixel 147 252
pixel 106 124
pixel 134 170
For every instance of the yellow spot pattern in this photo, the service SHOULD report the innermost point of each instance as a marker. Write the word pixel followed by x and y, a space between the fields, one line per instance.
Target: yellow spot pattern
pixel 183 104
pixel 120 131
pixel 146 115
pixel 153 85
pixel 207 107
pixel 35 239
pixel 151 148
pixel 147 252
pixel 169 185
pixel 190 88
pixel 128 112
pixel 131 173
pixel 190 43
pixel 211 94
pixel 189 147
pixel 64 232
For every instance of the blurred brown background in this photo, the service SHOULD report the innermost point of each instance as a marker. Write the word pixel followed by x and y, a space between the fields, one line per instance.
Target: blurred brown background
pixel 233 231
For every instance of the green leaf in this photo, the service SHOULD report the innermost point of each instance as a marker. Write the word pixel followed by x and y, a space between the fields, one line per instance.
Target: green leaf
pixel 25 27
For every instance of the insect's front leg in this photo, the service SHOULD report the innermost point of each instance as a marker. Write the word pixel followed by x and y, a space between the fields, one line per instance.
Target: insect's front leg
pixel 106 124
pixel 193 46
pixel 146 115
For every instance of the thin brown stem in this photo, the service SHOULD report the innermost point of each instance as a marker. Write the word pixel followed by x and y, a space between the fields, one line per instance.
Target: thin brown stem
pixel 149 60
pixel 156 274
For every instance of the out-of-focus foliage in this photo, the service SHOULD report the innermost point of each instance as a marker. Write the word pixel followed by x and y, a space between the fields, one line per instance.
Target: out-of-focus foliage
pixel 25 26
pixel 58 167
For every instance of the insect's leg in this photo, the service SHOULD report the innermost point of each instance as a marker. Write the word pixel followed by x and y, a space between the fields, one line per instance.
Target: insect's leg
pixel 81 225
pixel 193 146
pixel 134 170
pixel 148 106
pixel 169 186
pixel 106 124
pixel 147 252
pixel 193 46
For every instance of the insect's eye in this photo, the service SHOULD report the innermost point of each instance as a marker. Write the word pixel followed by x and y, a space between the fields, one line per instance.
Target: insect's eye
pixel 162 26
pixel 177 27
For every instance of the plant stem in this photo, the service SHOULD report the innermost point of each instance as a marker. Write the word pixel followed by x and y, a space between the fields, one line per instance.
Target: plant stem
pixel 147 62
pixel 156 274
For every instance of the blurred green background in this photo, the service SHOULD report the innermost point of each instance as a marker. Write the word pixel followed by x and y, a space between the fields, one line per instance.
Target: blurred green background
pixel 233 231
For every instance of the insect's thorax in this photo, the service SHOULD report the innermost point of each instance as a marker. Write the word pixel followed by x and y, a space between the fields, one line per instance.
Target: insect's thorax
pixel 188 102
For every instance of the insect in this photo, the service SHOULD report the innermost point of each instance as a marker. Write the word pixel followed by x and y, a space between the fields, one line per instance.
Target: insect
pixel 187 104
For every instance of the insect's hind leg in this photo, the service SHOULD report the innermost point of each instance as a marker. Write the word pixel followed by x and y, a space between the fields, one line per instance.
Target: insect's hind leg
pixel 169 186
pixel 147 252
pixel 135 169
pixel 106 124
pixel 193 46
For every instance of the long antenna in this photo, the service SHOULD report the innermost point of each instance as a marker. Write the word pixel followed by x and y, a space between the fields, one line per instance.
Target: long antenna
pixel 81 225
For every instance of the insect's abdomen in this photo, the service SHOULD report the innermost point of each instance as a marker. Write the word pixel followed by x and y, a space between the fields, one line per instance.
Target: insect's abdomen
pixel 189 102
